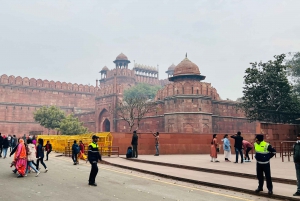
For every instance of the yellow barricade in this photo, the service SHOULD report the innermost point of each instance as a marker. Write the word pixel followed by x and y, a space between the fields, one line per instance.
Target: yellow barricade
pixel 60 142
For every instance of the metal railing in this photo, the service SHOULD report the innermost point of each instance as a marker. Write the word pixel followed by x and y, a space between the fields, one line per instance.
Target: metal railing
pixel 286 149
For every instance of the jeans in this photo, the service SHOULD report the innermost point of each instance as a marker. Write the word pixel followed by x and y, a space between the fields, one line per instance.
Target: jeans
pixel 157 149
pixel 48 152
pixel 4 152
pixel 297 166
pixel 260 170
pixel 237 151
pixel 30 164
pixel 134 151
pixel 42 162
pixel 74 157
pixel 247 153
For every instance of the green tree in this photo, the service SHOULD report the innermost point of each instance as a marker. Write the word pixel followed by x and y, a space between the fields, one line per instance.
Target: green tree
pixel 49 117
pixel 293 62
pixel 267 94
pixel 72 126
pixel 142 90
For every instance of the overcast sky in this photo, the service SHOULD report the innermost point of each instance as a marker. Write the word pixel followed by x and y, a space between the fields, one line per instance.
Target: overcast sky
pixel 72 40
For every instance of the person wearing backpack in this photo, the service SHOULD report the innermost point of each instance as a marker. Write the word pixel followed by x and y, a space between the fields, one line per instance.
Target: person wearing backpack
pixel 75 152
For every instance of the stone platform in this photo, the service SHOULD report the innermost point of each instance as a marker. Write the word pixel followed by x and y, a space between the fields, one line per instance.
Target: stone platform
pixel 193 168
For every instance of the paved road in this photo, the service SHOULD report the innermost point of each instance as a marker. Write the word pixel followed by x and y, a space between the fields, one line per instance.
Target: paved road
pixel 65 181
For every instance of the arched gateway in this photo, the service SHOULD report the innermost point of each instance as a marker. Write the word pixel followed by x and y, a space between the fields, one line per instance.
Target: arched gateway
pixel 103 121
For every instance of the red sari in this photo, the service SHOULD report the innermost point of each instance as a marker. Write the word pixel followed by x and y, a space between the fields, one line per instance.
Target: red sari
pixel 213 148
pixel 21 158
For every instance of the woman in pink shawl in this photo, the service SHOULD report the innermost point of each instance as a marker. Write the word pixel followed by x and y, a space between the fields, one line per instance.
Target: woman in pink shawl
pixel 21 158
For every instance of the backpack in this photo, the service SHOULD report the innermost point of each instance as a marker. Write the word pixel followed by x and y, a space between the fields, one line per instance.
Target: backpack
pixel 76 149
pixel 129 152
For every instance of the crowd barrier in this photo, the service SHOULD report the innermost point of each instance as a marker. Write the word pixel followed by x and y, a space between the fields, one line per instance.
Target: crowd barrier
pixel 61 142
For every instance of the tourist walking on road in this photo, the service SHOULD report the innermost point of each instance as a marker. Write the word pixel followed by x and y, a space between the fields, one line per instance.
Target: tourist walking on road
pixel 48 149
pixel 20 158
pixel 9 138
pixel 5 146
pixel 238 145
pixel 31 156
pixel 226 148
pixel 247 147
pixel 263 153
pixel 93 157
pixel 156 135
pixel 14 142
pixel 297 164
pixel 213 149
pixel 40 155
pixel 1 143
pixel 75 152
pixel 134 143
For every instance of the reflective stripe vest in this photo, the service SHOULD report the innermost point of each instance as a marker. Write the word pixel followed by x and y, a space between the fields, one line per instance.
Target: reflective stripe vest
pixel 262 154
pixel 93 152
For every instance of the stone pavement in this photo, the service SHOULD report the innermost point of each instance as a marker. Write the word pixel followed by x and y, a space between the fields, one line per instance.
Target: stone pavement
pixel 284 170
pixel 65 181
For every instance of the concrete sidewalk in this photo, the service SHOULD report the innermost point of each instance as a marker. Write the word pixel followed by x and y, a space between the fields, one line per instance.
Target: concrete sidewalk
pixel 279 169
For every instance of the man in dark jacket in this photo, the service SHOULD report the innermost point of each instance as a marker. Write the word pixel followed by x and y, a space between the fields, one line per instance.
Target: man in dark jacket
pixel 134 143
pixel 263 153
pixel 238 145
pixel 297 164
pixel 75 152
pixel 93 157
pixel 1 143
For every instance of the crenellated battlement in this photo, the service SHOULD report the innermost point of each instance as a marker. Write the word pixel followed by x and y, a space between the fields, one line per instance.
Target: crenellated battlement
pixel 45 84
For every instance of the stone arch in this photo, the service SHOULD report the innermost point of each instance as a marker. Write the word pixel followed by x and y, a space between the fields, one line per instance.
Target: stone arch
pixel 103 116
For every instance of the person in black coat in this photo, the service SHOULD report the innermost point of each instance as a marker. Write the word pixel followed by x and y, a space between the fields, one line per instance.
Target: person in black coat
pixel 134 143
pixel 1 142
pixel 238 145
pixel 5 146
pixel 40 155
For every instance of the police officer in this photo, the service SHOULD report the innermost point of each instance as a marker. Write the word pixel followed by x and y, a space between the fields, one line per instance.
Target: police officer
pixel 93 157
pixel 264 152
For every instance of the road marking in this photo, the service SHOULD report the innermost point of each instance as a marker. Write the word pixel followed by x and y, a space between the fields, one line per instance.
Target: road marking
pixel 178 185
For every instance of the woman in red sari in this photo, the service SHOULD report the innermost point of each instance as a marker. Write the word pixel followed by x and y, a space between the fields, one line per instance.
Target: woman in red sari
pixel 21 158
pixel 213 149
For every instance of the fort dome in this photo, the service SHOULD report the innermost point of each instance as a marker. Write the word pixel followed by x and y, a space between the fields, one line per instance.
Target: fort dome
pixel 172 67
pixel 105 68
pixel 121 57
pixel 186 70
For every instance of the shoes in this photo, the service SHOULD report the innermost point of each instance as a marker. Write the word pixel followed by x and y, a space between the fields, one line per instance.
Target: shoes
pixel 14 171
pixel 270 192
pixel 25 175
pixel 19 176
pixel 92 184
pixel 37 174
pixel 156 155
pixel 258 190
pixel 236 162
pixel 211 161
pixel 296 194
pixel 46 160
pixel 46 170
pixel 217 161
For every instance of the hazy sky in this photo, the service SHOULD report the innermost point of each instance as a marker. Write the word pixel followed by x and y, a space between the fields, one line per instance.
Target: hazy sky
pixel 72 40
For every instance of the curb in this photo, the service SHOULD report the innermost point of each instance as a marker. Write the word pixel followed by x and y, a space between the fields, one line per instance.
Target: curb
pixel 236 174
pixel 241 190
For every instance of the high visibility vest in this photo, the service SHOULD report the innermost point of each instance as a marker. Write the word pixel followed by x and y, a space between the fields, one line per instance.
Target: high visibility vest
pixel 262 154
pixel 94 145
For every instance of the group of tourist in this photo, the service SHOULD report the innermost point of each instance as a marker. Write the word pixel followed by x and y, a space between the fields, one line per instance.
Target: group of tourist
pixel 240 146
pixel 78 152
pixel 26 155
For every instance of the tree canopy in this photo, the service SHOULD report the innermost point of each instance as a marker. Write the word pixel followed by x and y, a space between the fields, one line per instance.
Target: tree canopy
pixel 133 109
pixel 54 118
pixel 293 64
pixel 49 117
pixel 267 94
pixel 72 126
pixel 141 90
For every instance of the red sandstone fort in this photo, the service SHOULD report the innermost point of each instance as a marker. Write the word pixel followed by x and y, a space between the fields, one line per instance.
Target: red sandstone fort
pixel 186 103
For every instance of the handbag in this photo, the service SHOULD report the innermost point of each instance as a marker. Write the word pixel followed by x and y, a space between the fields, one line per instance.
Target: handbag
pixel 218 149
